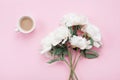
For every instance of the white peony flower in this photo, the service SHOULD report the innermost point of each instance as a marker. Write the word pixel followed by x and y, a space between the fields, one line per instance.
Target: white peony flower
pixel 94 33
pixel 59 35
pixel 78 41
pixel 73 19
pixel 47 43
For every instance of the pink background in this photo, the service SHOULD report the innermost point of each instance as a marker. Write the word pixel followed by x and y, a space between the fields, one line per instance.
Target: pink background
pixel 19 53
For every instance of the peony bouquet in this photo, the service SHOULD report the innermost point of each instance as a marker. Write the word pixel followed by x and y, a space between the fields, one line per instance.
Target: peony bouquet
pixel 73 39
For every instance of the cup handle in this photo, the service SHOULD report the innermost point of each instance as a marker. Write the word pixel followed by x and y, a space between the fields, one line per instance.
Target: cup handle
pixel 16 30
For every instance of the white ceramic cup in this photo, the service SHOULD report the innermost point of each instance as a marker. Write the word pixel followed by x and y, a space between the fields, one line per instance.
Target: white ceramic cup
pixel 20 29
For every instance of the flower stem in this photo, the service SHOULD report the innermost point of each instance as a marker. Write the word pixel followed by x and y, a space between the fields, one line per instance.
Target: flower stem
pixel 70 59
pixel 74 59
pixel 72 69
pixel 77 61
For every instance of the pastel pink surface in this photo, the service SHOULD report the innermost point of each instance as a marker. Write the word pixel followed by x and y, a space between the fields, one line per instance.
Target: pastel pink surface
pixel 19 53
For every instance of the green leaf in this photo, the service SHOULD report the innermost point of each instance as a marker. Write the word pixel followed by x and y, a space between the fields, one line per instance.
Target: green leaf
pixel 92 41
pixel 90 54
pixel 75 30
pixel 53 60
pixel 65 51
pixel 71 30
pixel 58 51
pixel 62 57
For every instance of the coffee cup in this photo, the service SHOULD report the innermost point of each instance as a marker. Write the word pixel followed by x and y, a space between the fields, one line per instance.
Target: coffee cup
pixel 26 24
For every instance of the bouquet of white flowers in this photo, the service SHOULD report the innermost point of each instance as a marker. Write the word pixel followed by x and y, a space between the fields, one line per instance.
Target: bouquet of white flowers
pixel 74 34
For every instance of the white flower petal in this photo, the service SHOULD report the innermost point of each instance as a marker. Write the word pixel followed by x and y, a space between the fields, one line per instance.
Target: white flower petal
pixel 45 50
pixel 59 35
pixel 73 19
pixel 92 31
pixel 96 44
pixel 89 47
pixel 78 42
pixel 64 41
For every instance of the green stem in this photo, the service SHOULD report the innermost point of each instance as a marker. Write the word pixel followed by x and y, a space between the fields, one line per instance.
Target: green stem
pixel 73 66
pixel 77 61
pixel 72 69
pixel 70 59
pixel 75 57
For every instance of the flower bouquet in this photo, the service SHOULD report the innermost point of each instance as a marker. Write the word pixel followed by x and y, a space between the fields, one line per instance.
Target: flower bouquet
pixel 77 34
